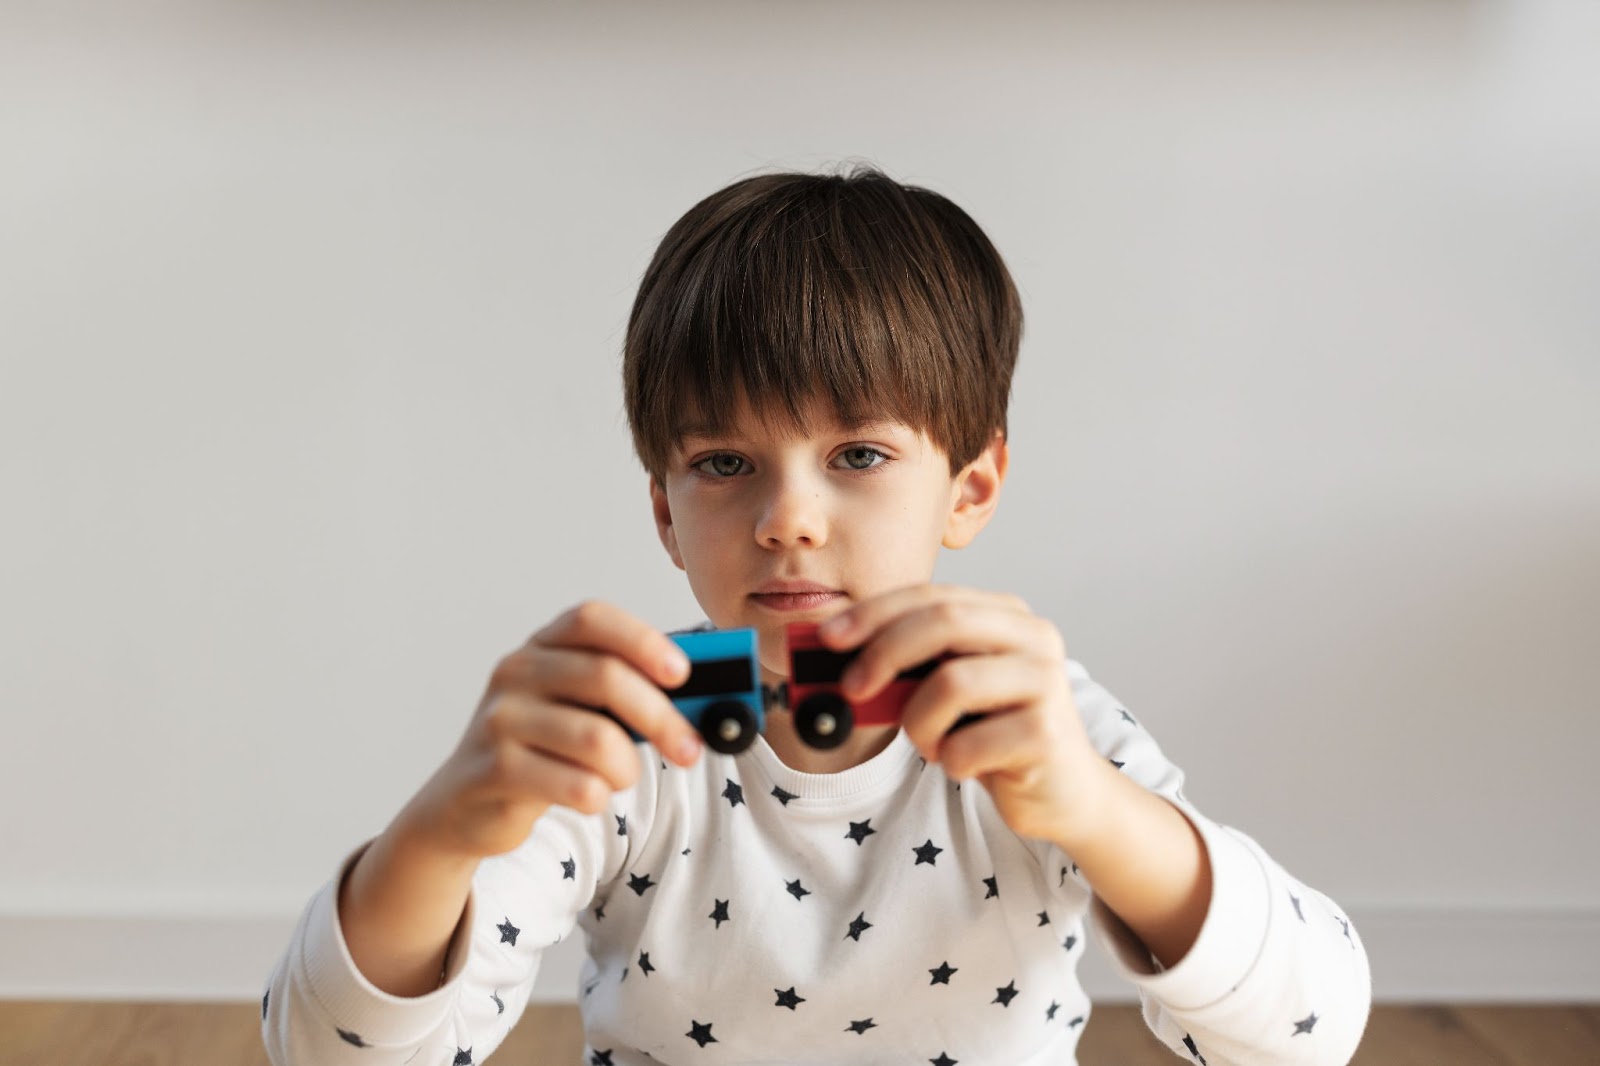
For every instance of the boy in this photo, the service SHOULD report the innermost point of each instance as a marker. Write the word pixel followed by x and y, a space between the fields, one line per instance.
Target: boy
pixel 816 375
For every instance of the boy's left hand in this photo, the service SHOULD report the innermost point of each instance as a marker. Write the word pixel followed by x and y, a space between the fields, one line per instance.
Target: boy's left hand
pixel 1029 747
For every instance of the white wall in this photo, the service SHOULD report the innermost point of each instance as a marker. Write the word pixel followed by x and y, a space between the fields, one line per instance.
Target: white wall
pixel 310 320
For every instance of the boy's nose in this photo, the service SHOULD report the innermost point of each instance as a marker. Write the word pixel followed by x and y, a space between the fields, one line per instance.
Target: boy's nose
pixel 793 514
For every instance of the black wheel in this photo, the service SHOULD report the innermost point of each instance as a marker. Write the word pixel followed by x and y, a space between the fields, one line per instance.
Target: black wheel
pixel 728 726
pixel 824 720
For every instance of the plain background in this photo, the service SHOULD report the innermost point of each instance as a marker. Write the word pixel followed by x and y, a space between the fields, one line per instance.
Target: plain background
pixel 311 316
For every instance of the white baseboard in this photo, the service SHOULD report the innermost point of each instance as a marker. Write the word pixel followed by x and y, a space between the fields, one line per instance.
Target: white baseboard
pixel 1416 955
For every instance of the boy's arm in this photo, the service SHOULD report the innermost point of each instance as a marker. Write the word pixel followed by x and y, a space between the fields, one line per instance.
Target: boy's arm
pixel 1272 971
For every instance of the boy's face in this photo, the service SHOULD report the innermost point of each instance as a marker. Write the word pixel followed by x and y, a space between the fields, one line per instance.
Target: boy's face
pixel 857 510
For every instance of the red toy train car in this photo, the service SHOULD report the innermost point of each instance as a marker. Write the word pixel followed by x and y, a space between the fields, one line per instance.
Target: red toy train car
pixel 822 716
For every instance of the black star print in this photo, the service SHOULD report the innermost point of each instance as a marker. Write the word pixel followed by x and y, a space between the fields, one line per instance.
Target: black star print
pixel 1304 1024
pixel 994 888
pixel 1050 1015
pixel 569 869
pixel 264 996
pixel 1188 1042
pixel 859 831
pixel 1044 917
pixel 599 911
pixel 700 1034
pixel 861 1026
pixel 601 1058
pixel 499 1004
pixel 796 889
pixel 463 1058
pixel 589 988
pixel 350 1038
pixel 783 797
pixel 1126 717
pixel 640 884
pixel 1063 880
pixel 719 913
pixel 926 854
pixel 1297 911
pixel 859 926
pixel 788 999
pixel 1070 943
pixel 944 1060
pixel 685 851
pixel 622 824
pixel 624 976
pixel 1074 1023
pixel 733 793
pixel 644 963
pixel 508 932
pixel 1004 996
pixel 924 763
pixel 941 976
pixel 1118 765
pixel 1346 925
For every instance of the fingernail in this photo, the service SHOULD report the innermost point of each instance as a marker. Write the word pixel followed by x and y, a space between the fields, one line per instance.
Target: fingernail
pixel 676 662
pixel 837 625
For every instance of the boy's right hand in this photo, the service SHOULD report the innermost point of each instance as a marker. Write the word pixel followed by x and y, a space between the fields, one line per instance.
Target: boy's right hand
pixel 536 739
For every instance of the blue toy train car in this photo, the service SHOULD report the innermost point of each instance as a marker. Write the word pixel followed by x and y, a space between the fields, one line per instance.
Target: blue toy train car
pixel 723 698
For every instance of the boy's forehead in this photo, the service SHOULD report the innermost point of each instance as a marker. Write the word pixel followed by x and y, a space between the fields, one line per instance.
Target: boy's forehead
pixel 818 417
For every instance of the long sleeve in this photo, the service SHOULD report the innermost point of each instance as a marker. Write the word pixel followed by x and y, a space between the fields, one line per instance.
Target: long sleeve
pixel 1278 973
pixel 319 1010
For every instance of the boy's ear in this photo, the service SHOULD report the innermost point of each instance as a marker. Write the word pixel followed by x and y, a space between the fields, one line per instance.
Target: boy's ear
pixel 664 529
pixel 975 493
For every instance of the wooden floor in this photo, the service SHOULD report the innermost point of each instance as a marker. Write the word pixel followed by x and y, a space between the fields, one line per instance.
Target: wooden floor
pixel 178 1034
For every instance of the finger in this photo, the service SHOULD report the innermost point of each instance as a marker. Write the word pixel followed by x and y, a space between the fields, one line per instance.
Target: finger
pixel 588 741
pixel 958 627
pixel 859 622
pixel 531 774
pixel 988 685
pixel 598 626
pixel 601 681
pixel 1004 742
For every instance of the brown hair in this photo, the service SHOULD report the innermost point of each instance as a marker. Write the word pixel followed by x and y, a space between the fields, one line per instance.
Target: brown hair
pixel 883 299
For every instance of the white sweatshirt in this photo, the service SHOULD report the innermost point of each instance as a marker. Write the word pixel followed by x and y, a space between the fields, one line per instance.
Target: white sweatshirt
pixel 741 911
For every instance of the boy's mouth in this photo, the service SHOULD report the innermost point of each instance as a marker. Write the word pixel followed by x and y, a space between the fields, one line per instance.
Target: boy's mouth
pixel 795 601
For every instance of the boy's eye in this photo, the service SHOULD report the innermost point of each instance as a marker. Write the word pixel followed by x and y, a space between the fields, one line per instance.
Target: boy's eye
pixel 861 458
pixel 722 465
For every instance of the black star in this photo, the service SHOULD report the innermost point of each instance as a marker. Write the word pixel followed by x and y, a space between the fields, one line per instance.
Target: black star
pixel 1070 943
pixel 1050 1015
pixel 796 889
pixel 264 996
pixel 463 1058
pixel 941 976
pixel 685 851
pixel 783 797
pixel 1188 1042
pixel 1063 880
pixel 926 854
pixel 589 988
pixel 733 793
pixel 622 824
pixel 1297 911
pixel 599 912
pixel 624 976
pixel 1346 925
pixel 499 1004
pixel 644 963
pixel 859 926
pixel 700 1034
pixel 350 1038
pixel 719 913
pixel 1126 717
pixel 944 1060
pixel 640 884
pixel 859 831
pixel 601 1058
pixel 1004 996
pixel 1304 1024
pixel 1074 1023
pixel 1118 765
pixel 508 932
pixel 861 1026
pixel 569 869
pixel 788 999
pixel 1044 917
pixel 994 888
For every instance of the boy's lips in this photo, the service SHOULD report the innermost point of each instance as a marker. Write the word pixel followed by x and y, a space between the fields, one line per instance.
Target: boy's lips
pixel 795 595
